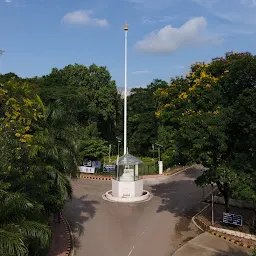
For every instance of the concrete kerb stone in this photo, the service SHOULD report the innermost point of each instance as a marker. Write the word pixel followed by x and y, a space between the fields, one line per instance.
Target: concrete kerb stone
pixel 95 177
pixel 69 236
pixel 232 240
pixel 194 219
pixel 206 228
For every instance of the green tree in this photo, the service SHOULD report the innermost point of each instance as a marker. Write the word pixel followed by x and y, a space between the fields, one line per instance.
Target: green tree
pixel 21 225
pixel 23 222
pixel 142 122
pixel 87 92
pixel 38 151
pixel 91 146
pixel 203 123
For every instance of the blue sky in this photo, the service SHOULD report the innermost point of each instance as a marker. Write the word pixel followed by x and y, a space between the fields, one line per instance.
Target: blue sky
pixel 165 36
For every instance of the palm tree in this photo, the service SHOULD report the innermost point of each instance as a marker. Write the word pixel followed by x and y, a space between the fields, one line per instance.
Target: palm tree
pixel 20 225
pixel 53 158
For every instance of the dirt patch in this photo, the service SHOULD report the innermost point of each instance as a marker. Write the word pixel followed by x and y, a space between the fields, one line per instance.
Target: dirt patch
pixel 218 210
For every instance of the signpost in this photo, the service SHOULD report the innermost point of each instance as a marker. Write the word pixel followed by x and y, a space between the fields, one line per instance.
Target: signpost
pixel 109 168
pixel 86 169
pixel 230 218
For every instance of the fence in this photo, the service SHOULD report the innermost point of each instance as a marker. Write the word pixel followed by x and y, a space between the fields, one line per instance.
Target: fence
pixel 144 169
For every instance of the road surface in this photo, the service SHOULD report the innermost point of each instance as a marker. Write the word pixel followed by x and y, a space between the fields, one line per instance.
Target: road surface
pixel 157 227
pixel 209 245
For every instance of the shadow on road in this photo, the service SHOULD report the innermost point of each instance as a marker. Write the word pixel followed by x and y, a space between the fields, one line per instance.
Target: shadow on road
pixel 78 211
pixel 179 196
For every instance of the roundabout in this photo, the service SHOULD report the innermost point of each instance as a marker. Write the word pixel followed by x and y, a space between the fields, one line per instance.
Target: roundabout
pixel 123 227
pixel 146 196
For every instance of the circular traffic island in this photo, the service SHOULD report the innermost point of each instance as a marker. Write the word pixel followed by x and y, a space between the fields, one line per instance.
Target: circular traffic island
pixel 146 196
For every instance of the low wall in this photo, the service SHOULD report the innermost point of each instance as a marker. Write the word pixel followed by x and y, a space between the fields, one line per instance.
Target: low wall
pixel 234 202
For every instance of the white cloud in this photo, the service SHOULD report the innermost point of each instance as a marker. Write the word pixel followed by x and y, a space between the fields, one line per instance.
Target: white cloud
pixel 169 39
pixel 82 17
pixel 236 12
pixel 249 3
pixel 140 72
pixel 8 1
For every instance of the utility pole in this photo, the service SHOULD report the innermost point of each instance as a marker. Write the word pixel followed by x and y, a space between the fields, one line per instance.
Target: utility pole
pixel 109 152
pixel 212 206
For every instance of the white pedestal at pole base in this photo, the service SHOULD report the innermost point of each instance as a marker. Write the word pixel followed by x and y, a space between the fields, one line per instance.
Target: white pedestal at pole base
pixel 127 192
pixel 160 166
pixel 127 188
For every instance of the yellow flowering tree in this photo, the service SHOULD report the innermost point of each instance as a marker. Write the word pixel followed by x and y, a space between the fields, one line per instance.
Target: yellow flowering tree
pixel 21 108
pixel 20 112
pixel 197 114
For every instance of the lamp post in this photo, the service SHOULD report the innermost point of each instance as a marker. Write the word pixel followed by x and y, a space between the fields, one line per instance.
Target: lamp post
pixel 159 153
pixel 212 205
pixel 125 87
pixel 109 152
pixel 118 147
pixel 160 163
pixel 153 149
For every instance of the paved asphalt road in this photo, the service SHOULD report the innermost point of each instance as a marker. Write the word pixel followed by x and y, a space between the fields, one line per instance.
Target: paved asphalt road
pixel 209 245
pixel 154 228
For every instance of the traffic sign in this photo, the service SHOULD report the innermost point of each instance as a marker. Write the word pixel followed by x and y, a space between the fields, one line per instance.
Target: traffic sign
pixel 231 218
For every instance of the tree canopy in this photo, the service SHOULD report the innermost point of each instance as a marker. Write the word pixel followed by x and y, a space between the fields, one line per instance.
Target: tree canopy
pixel 49 125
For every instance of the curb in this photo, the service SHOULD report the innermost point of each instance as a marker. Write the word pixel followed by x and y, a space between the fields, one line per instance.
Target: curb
pixel 232 240
pixel 169 174
pixel 182 170
pixel 69 236
pixel 94 177
pixel 237 242
pixel 194 221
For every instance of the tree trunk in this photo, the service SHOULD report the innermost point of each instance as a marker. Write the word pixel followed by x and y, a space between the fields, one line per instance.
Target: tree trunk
pixel 226 198
pixel 224 190
pixel 253 221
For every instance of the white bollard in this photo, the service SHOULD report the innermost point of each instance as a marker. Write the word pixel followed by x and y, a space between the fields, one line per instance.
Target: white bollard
pixel 136 170
pixel 160 166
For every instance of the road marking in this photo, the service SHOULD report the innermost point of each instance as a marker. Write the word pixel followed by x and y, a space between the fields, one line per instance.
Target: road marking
pixel 131 251
pixel 142 233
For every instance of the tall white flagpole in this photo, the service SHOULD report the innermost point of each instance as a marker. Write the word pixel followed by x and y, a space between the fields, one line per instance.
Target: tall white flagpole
pixel 125 87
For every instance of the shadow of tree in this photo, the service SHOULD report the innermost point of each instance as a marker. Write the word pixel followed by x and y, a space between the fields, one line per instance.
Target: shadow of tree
pixel 180 197
pixel 78 211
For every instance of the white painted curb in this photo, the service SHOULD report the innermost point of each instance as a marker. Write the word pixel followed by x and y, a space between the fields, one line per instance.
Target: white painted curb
pixel 234 233
pixel 193 218
pixel 195 165
pixel 138 199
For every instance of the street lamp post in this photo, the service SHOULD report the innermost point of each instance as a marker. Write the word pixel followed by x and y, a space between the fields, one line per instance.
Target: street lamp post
pixel 109 152
pixel 160 163
pixel 159 153
pixel 118 147
pixel 212 205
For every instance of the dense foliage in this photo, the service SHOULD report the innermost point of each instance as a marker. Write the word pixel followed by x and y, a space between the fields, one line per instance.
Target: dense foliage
pixel 209 118
pixel 50 124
